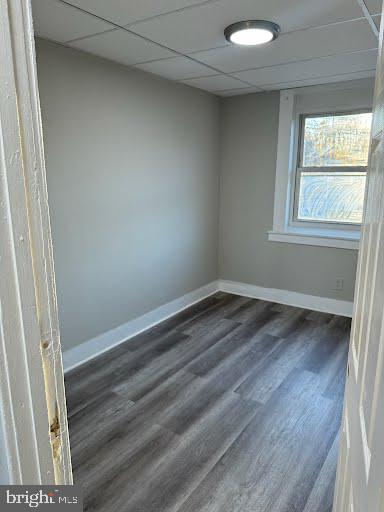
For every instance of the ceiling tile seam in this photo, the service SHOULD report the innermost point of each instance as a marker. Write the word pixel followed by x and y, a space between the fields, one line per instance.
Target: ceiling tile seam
pixel 128 29
pixel 176 52
pixel 254 88
pixel 191 54
pixel 206 76
pixel 267 67
pixel 316 77
pixel 108 59
pixel 368 16
pixel 200 76
pixel 283 34
pixel 262 88
pixel 148 18
pixel 186 8
pixel 260 68
pixel 325 25
pixel 203 4
pixel 347 52
pixel 184 80
pixel 95 34
pixel 310 59
pixel 182 9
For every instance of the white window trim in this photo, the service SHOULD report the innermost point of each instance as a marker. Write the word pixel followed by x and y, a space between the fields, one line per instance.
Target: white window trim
pixel 284 228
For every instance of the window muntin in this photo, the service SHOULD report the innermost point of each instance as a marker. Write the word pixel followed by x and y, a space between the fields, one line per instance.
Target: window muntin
pixel 331 176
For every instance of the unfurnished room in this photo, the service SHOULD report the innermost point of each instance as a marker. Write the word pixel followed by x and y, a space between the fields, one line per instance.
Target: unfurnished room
pixel 192 278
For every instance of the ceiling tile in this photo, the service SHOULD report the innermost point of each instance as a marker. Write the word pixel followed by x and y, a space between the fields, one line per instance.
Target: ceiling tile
pixel 304 44
pixel 121 46
pixel 60 22
pixel 321 80
pixel 123 12
pixel 374 6
pixel 216 83
pixel 202 27
pixel 177 68
pixel 328 66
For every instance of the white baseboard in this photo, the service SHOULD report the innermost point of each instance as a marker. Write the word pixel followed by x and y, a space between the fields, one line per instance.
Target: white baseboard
pixel 89 349
pixel 96 346
pixel 301 300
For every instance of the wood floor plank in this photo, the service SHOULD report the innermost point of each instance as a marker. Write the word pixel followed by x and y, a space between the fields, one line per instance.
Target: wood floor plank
pixel 82 391
pixel 191 458
pixel 176 322
pixel 239 339
pixel 166 364
pixel 319 317
pixel 166 399
pixel 252 473
pixel 248 310
pixel 321 497
pixel 267 375
pixel 327 341
pixel 102 414
pixel 208 320
pixel 119 468
pixel 233 405
pixel 336 373
pixel 286 324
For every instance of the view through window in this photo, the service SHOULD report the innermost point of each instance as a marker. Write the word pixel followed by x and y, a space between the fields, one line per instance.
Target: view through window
pixel 332 168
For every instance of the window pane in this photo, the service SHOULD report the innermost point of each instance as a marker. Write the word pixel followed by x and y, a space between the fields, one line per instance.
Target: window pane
pixel 331 197
pixel 336 140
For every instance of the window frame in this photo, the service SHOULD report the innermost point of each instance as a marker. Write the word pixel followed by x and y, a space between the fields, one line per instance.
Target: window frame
pixel 299 169
pixel 358 96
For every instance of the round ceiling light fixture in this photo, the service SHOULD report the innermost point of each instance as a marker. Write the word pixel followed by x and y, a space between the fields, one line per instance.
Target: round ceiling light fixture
pixel 251 32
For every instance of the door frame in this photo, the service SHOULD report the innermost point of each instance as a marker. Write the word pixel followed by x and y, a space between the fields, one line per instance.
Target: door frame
pixel 359 482
pixel 33 406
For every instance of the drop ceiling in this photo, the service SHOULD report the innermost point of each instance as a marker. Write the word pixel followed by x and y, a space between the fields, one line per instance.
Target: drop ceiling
pixel 182 40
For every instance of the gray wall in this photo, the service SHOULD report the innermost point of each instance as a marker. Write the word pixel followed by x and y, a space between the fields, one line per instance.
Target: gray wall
pixel 132 170
pixel 133 178
pixel 249 142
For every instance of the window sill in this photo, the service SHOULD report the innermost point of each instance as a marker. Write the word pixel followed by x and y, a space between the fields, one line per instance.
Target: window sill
pixel 322 238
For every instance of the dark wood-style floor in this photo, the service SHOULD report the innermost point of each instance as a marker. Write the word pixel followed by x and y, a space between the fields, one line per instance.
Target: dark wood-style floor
pixel 233 405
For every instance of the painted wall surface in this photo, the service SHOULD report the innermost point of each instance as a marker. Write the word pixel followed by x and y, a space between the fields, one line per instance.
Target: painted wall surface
pixel 249 146
pixel 135 168
pixel 133 181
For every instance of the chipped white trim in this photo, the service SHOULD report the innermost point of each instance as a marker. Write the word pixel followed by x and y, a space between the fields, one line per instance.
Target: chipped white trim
pixel 31 374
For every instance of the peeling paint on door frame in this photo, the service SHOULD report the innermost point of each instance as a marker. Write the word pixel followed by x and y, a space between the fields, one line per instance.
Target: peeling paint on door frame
pixel 31 371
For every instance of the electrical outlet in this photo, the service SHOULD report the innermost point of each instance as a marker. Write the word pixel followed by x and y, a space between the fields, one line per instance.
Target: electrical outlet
pixel 339 284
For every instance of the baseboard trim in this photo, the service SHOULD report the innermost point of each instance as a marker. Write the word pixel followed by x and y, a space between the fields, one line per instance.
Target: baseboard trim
pixel 87 350
pixel 301 300
pixel 90 349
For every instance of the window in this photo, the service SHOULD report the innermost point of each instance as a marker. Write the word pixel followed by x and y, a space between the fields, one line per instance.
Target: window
pixel 332 165
pixel 321 165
